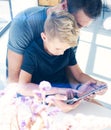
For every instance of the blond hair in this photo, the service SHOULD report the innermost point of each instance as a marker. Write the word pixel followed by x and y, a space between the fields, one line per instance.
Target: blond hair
pixel 62 25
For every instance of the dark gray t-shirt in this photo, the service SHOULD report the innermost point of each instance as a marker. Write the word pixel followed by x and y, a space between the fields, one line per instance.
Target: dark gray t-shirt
pixel 25 28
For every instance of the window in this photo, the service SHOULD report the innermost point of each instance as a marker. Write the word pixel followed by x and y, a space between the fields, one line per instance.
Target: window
pixel 5 15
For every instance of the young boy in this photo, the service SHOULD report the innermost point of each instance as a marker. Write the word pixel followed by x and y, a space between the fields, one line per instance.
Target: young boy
pixel 48 59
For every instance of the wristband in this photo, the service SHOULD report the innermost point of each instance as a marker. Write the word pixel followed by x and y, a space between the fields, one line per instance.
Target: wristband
pixel 77 88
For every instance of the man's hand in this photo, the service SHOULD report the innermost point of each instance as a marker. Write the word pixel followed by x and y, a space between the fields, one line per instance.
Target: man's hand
pixel 89 86
pixel 103 91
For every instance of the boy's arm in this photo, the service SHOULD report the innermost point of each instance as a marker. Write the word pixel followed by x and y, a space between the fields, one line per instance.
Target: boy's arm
pixel 27 88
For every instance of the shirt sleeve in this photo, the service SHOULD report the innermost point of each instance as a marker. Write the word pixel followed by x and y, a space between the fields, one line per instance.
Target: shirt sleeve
pixel 72 59
pixel 20 35
pixel 25 28
pixel 28 63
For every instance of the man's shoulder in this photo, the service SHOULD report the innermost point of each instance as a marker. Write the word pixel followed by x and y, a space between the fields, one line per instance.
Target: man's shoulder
pixel 35 10
pixel 32 11
pixel 33 17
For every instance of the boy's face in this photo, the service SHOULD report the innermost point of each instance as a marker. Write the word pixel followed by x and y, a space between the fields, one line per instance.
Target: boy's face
pixel 54 46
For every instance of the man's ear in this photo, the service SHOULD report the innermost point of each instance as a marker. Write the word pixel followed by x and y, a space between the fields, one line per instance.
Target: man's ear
pixel 64 5
pixel 43 36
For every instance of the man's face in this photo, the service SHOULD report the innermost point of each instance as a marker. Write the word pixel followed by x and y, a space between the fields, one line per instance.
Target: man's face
pixel 82 19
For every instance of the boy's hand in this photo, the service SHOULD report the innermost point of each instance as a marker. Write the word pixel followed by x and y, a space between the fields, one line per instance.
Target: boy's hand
pixel 59 101
pixel 66 107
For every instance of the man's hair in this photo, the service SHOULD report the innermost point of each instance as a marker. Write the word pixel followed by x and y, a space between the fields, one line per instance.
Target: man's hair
pixel 62 25
pixel 92 8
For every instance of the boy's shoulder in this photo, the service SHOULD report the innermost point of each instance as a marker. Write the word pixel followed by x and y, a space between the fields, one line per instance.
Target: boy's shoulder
pixel 34 47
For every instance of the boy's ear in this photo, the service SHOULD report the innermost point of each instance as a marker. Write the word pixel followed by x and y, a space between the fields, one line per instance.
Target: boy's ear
pixel 64 5
pixel 43 36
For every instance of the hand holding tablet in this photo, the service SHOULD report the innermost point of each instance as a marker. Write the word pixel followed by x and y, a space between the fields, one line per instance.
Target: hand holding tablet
pixel 91 89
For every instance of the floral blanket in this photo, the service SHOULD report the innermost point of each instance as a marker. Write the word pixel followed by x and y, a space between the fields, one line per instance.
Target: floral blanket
pixel 25 113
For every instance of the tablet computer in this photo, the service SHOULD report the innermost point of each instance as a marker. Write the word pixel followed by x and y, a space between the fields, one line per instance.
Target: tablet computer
pixel 93 89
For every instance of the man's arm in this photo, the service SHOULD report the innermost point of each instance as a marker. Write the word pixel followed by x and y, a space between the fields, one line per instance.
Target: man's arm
pixel 14 65
pixel 75 76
